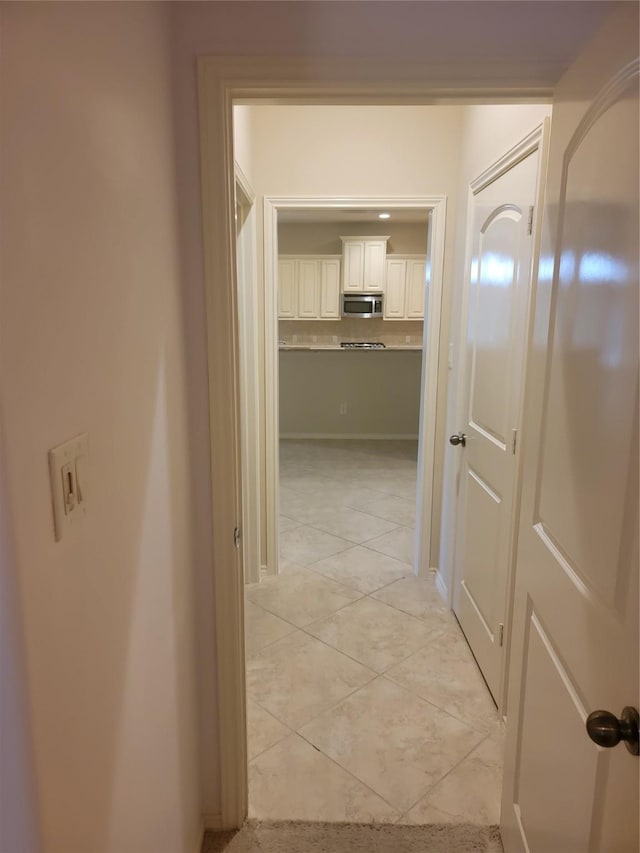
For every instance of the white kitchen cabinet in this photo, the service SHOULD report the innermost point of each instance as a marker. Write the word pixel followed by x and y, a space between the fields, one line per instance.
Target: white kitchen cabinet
pixel 394 296
pixel 415 289
pixel 404 292
pixel 287 288
pixel 308 287
pixel 363 264
pixel 330 289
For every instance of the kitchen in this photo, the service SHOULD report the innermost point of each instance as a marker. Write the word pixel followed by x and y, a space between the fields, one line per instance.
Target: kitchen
pixel 350 365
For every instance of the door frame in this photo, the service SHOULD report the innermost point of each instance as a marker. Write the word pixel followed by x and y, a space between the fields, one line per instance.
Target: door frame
pixel 221 81
pixel 248 353
pixel 437 209
pixel 537 139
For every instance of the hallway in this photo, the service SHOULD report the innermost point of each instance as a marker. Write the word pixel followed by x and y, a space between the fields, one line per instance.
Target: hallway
pixel 364 701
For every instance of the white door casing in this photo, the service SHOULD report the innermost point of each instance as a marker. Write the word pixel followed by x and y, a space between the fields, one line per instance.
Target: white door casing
pixel 497 292
pixel 246 246
pixel 575 628
pixel 436 207
pixel 220 81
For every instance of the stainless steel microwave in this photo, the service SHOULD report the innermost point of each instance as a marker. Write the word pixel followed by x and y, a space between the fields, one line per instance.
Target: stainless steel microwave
pixel 363 305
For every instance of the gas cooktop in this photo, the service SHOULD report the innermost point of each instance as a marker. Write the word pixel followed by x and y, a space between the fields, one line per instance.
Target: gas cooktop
pixel 361 345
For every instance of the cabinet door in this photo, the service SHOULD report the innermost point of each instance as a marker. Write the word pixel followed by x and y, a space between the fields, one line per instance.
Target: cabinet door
pixel 353 266
pixel 415 290
pixel 375 255
pixel 330 289
pixel 286 289
pixel 395 290
pixel 308 289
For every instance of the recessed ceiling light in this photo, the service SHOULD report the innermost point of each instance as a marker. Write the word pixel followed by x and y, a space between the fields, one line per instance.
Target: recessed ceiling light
pixel 384 216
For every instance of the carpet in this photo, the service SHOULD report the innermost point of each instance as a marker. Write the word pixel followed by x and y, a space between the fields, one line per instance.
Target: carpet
pixel 299 837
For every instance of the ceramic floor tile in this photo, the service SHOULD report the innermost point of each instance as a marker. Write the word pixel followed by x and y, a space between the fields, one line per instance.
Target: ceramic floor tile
pixel 420 598
pixel 444 672
pixel 392 508
pixel 287 523
pixel 373 633
pixel 301 597
pixel 263 730
pixel 399 544
pixel 298 677
pixel 352 525
pixel 469 794
pixel 261 627
pixel 306 545
pixel 293 781
pixel 361 569
pixel 391 740
pixel 305 508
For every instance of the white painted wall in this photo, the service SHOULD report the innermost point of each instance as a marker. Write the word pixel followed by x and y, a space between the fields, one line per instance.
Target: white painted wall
pixel 91 336
pixel 242 139
pixel 379 390
pixel 19 818
pixel 488 133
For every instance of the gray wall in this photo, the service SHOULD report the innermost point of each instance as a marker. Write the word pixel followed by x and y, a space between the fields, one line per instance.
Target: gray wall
pixel 381 391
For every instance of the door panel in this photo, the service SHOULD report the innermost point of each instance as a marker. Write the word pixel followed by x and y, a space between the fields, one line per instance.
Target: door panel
pixel 330 289
pixel 495 295
pixel 308 289
pixel 575 634
pixel 286 289
pixel 416 288
pixel 395 290
pixel 498 293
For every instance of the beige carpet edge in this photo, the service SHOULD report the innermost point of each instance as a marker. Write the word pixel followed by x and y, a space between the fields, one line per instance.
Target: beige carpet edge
pixel 305 837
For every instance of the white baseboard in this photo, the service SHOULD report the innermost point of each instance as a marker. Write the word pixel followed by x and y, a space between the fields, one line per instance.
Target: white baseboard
pixel 442 588
pixel 359 436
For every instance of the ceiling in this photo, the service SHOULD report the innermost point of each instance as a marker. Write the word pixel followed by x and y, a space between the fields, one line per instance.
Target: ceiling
pixel 497 43
pixel 341 215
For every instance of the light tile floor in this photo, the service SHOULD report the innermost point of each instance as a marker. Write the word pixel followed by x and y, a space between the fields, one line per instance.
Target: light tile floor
pixel 364 701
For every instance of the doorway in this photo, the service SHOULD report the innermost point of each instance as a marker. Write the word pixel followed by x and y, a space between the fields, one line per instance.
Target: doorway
pixel 328 639
pixel 434 210
pixel 217 126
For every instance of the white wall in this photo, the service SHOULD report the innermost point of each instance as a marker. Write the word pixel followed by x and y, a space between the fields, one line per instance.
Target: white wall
pixel 488 133
pixel 91 336
pixel 19 818
pixel 242 139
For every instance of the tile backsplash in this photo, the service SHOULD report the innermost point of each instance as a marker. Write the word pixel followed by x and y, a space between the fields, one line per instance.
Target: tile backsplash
pixel 328 332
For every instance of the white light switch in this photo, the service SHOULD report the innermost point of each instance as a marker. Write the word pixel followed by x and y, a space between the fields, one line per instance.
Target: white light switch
pixel 68 470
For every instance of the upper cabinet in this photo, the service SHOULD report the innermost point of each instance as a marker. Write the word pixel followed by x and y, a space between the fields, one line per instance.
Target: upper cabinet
pixel 405 288
pixel 308 287
pixel 363 264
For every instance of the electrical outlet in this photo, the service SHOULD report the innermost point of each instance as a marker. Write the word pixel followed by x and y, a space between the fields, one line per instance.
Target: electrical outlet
pixel 343 408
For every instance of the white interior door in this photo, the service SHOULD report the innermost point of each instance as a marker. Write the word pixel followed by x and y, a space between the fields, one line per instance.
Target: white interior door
pixel 498 290
pixel 575 634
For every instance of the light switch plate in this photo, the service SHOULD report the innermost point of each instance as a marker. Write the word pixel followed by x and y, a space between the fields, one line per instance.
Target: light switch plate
pixel 69 470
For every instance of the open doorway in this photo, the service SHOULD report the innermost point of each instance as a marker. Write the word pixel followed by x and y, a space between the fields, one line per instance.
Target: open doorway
pixel 341 634
pixel 443 160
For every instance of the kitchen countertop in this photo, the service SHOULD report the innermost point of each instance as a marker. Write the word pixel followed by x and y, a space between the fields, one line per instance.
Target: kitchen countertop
pixel 338 348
